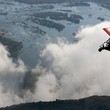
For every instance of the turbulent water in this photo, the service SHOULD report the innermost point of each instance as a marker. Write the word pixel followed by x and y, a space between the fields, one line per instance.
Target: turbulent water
pixel 59 58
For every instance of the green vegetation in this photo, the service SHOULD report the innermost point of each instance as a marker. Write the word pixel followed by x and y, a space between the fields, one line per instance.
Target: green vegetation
pixel 77 4
pixel 100 18
pixel 47 7
pixel 41 1
pixel 66 10
pixel 13 46
pixel 50 19
pixel 3 13
pixel 103 3
pixel 59 16
pixel 49 24
pixel 37 30
pixel 52 15
pixel 34 29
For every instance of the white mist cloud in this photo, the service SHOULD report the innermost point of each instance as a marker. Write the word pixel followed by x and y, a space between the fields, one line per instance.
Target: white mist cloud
pixel 77 70
pixel 10 76
pixel 69 71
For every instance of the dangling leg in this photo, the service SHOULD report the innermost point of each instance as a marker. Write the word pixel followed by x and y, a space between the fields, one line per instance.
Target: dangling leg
pixel 101 48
